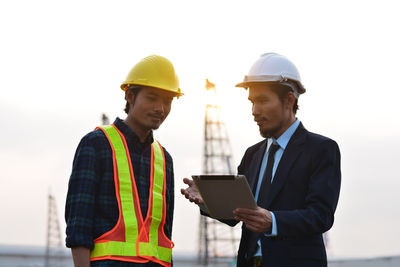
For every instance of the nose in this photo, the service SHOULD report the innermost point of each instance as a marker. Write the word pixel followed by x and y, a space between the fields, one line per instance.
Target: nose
pixel 255 110
pixel 159 107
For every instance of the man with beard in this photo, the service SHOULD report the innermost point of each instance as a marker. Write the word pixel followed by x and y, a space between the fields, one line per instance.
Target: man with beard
pixel 120 201
pixel 295 175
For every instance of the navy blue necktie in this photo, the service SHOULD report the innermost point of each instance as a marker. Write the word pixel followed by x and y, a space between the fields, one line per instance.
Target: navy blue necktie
pixel 266 183
pixel 252 237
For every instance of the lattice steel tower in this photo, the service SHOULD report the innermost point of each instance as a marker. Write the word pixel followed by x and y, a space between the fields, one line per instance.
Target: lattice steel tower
pixel 54 247
pixel 104 119
pixel 217 241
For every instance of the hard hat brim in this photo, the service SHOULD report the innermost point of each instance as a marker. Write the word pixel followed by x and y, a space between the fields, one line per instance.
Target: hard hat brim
pixel 247 84
pixel 257 79
pixel 177 93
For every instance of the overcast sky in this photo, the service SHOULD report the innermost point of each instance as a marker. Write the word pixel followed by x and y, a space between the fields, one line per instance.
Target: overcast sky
pixel 61 64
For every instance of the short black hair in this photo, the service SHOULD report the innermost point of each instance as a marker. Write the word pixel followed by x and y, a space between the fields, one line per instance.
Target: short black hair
pixel 135 90
pixel 282 91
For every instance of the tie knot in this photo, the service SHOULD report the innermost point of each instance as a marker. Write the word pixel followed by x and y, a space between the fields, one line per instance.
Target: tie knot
pixel 273 149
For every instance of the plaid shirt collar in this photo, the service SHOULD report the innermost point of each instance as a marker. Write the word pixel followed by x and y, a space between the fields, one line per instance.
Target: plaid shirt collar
pixel 131 135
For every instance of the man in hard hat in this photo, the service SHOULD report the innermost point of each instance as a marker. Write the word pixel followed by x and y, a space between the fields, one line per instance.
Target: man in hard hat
pixel 295 175
pixel 120 200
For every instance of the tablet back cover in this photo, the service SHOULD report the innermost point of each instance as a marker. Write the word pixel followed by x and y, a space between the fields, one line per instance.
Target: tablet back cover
pixel 224 193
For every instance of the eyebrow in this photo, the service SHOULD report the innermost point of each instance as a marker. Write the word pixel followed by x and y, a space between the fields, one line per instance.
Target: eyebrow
pixel 152 94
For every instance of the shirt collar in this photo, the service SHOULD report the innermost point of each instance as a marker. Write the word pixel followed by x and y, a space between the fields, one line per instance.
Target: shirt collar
pixel 130 134
pixel 284 139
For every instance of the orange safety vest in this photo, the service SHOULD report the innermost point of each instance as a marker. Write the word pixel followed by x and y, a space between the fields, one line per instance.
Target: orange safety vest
pixel 133 239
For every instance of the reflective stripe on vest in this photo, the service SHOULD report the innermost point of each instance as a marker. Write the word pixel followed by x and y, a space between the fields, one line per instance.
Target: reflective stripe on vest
pixel 133 239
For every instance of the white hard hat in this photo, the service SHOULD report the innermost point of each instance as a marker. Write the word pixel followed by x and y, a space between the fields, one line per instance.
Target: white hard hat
pixel 272 67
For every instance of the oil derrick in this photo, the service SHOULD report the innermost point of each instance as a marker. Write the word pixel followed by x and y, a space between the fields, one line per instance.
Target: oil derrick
pixel 54 248
pixel 104 119
pixel 217 241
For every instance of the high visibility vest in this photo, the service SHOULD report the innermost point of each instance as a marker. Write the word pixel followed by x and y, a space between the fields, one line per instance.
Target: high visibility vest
pixel 133 239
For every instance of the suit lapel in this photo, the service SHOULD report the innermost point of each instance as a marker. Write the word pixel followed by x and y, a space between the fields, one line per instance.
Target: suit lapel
pixel 291 153
pixel 255 164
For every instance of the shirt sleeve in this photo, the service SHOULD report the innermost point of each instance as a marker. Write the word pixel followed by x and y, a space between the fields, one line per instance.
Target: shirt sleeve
pixel 80 203
pixel 274 230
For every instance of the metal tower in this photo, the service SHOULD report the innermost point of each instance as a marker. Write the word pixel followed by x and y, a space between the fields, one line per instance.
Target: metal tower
pixel 54 248
pixel 104 119
pixel 217 241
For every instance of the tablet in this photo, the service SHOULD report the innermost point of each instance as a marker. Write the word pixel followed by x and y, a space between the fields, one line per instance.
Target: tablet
pixel 224 193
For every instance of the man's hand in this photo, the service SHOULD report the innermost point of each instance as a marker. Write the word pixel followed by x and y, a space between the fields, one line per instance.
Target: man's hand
pixel 257 220
pixel 191 192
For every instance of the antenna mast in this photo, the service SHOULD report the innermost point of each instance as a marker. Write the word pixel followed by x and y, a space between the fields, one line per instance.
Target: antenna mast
pixel 217 241
pixel 54 246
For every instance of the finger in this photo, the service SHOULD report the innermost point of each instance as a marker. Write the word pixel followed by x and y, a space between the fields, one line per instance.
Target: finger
pixel 246 214
pixel 195 200
pixel 198 200
pixel 253 224
pixel 249 225
pixel 246 211
pixel 185 193
pixel 253 220
pixel 241 218
pixel 253 228
pixel 188 181
pixel 259 217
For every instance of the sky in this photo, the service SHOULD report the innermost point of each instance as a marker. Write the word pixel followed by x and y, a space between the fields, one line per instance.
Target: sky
pixel 62 62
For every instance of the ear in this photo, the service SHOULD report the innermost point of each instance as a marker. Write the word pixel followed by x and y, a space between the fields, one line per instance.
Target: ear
pixel 289 101
pixel 129 96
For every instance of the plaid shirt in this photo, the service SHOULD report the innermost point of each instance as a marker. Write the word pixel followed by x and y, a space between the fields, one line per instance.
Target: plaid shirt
pixel 91 207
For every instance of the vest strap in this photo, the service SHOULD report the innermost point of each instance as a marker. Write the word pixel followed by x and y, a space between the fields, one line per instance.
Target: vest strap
pixel 114 248
pixel 161 253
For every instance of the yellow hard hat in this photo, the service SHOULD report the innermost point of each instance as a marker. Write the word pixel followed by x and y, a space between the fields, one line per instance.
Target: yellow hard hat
pixel 154 71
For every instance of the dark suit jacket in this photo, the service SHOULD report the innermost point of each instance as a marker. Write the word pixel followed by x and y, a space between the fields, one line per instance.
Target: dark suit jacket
pixel 303 198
